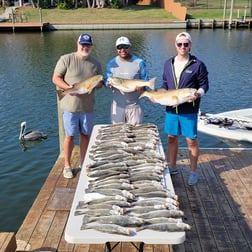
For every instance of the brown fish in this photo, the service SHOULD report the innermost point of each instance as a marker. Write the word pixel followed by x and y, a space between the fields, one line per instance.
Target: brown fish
pixel 126 86
pixel 170 97
pixel 83 87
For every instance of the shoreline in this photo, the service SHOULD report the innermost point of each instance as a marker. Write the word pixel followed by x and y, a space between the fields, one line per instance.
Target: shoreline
pixel 118 26
pixel 188 24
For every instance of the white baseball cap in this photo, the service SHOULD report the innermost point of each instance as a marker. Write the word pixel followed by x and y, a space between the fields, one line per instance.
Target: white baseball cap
pixel 123 41
pixel 185 35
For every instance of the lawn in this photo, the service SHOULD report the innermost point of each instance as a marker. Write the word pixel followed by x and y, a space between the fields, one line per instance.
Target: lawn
pixel 132 14
pixel 94 15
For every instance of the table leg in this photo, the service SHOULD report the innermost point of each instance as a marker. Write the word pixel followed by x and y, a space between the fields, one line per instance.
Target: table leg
pixel 141 245
pixel 108 246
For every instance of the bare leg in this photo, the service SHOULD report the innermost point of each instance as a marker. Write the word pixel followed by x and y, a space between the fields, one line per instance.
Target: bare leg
pixel 193 149
pixel 84 140
pixel 68 148
pixel 172 150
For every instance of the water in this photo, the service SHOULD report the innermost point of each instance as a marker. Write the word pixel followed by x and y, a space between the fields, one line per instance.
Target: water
pixel 27 93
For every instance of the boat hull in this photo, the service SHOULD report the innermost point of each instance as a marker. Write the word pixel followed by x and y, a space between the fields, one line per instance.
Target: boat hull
pixel 233 125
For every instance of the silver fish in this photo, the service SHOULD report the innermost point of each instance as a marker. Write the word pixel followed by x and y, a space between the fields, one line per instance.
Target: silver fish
pixel 143 209
pixel 103 199
pixel 122 220
pixel 162 220
pixel 162 213
pixel 122 186
pixel 109 165
pixel 156 200
pixel 93 184
pixel 97 212
pixel 104 205
pixel 98 173
pixel 115 176
pixel 158 193
pixel 167 227
pixel 109 228
pixel 114 156
pixel 111 191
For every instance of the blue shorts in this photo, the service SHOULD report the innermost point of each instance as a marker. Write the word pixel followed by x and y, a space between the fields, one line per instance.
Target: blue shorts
pixel 181 125
pixel 77 122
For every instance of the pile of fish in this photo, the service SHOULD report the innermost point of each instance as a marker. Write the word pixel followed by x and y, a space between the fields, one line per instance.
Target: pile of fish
pixel 126 192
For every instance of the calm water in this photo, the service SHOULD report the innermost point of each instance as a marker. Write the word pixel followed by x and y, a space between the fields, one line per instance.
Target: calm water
pixel 27 93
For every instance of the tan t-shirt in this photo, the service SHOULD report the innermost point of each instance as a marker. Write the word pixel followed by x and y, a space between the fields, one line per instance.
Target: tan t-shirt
pixel 74 69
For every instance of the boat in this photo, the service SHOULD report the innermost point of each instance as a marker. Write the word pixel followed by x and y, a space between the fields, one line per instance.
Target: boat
pixel 233 125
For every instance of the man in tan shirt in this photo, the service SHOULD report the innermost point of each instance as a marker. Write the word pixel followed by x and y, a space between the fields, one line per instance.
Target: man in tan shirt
pixel 77 109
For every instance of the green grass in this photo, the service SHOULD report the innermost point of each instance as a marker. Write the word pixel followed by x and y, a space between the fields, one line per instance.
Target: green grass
pixel 133 14
pixel 106 15
pixel 209 13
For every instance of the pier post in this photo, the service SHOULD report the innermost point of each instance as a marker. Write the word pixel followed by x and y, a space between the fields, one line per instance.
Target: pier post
pixel 231 14
pixel 13 20
pixel 40 19
pixel 60 126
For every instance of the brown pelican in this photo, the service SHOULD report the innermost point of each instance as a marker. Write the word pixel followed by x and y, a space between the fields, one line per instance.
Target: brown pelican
pixel 31 135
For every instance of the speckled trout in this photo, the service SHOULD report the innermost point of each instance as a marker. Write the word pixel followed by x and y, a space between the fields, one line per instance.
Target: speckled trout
pixel 170 97
pixel 126 86
pixel 82 87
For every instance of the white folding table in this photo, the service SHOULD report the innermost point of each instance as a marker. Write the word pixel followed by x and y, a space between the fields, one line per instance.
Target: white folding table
pixel 74 234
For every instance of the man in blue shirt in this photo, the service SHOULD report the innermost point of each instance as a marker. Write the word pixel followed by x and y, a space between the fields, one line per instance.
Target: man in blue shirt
pixel 126 107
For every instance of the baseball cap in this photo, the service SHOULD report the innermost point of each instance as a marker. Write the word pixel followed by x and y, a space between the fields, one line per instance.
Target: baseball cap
pixel 185 35
pixel 122 41
pixel 85 39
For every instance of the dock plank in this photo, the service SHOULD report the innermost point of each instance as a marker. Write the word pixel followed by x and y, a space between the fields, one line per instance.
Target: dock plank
pixel 219 207
pixel 7 242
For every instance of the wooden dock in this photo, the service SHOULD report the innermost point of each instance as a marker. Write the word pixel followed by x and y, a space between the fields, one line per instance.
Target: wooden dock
pixel 219 207
pixel 23 26
pixel 219 23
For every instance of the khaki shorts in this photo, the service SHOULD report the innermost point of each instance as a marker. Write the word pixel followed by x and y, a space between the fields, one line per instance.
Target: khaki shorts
pixel 132 114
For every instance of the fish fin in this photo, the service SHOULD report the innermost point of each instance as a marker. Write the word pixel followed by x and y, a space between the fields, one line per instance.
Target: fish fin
pixel 152 83
pixel 61 94
pixel 90 88
pixel 122 92
pixel 140 228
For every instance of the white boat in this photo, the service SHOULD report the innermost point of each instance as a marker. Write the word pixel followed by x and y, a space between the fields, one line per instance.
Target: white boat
pixel 233 125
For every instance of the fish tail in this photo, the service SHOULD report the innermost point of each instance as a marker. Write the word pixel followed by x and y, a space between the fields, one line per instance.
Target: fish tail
pixel 152 83
pixel 60 93
pixel 85 219
pixel 142 95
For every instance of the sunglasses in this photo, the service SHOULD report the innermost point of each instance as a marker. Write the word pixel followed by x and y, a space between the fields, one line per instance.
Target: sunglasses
pixel 184 44
pixel 119 47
